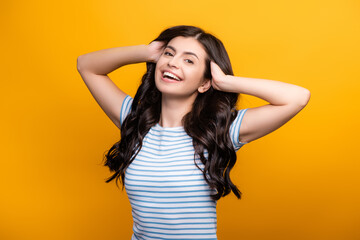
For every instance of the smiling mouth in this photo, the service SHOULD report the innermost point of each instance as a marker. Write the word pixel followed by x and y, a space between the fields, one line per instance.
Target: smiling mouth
pixel 168 75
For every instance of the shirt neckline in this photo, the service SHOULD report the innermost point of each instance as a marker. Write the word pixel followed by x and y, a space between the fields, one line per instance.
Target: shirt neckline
pixel 157 125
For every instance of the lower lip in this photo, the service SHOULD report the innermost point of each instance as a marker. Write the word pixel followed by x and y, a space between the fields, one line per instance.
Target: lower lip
pixel 169 80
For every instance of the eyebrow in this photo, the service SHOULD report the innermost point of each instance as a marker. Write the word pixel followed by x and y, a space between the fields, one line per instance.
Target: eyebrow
pixel 189 53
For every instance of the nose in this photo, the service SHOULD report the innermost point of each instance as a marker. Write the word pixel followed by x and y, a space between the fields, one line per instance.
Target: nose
pixel 173 62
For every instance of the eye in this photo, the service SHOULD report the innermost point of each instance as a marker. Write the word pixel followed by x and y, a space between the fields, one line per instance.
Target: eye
pixel 189 61
pixel 167 53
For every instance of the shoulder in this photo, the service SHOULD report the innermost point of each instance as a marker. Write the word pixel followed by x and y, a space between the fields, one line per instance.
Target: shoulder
pixel 235 128
pixel 125 108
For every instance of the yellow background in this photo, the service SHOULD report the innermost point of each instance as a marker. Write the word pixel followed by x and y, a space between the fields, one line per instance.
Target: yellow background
pixel 299 182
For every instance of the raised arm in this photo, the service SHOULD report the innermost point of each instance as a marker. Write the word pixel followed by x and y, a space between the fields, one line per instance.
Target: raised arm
pixel 286 100
pixel 94 67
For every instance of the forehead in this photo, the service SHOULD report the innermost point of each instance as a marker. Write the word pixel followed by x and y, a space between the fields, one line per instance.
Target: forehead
pixel 187 44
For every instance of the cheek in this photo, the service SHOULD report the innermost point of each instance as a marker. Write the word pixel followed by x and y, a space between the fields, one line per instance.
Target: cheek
pixel 161 60
pixel 157 68
pixel 195 75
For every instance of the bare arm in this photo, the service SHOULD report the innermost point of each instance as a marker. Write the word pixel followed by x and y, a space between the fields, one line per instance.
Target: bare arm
pixel 94 67
pixel 105 61
pixel 286 100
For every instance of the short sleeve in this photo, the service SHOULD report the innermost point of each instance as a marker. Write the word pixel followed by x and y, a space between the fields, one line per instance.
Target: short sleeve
pixel 235 129
pixel 125 108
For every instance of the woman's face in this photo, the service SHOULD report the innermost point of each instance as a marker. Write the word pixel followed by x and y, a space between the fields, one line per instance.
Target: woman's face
pixel 185 58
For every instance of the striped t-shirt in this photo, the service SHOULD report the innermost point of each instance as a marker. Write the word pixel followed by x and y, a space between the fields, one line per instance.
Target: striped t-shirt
pixel 167 192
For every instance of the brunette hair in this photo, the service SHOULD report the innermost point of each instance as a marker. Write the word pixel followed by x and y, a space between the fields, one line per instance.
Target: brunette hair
pixel 208 123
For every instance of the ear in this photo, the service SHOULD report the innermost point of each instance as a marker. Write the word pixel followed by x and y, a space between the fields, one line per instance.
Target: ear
pixel 204 86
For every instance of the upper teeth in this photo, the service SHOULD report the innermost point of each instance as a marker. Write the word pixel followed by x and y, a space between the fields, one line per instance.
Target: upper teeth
pixel 171 75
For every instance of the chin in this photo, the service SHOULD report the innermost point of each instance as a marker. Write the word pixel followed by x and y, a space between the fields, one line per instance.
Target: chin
pixel 165 89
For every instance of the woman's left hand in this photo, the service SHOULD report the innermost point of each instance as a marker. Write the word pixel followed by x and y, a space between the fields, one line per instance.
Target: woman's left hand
pixel 220 81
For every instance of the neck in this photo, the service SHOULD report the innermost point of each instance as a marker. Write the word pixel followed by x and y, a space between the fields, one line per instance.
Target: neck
pixel 173 109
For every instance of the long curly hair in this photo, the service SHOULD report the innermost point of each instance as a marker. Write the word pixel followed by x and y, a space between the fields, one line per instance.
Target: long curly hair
pixel 207 124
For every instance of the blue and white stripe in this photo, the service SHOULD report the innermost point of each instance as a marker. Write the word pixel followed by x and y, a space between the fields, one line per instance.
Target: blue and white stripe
pixel 167 192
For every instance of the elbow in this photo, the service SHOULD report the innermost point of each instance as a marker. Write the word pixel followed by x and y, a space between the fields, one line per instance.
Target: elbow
pixel 79 63
pixel 304 97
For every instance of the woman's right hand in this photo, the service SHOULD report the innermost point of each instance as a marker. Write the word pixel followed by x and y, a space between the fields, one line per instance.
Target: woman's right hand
pixel 155 48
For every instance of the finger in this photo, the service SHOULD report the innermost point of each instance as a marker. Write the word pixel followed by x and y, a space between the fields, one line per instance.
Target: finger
pixel 213 67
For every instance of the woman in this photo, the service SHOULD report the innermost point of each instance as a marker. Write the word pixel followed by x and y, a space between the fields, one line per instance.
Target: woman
pixel 180 132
